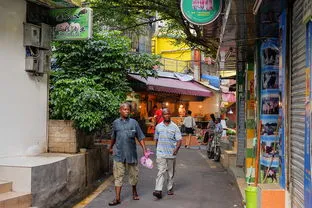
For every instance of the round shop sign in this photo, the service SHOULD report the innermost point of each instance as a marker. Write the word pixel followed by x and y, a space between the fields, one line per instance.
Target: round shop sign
pixel 201 12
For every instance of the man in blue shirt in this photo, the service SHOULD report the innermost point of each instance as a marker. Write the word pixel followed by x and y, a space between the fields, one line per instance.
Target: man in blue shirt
pixel 168 141
pixel 124 132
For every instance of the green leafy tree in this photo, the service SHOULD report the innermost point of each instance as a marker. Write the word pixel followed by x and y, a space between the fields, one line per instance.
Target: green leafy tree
pixel 90 78
pixel 127 15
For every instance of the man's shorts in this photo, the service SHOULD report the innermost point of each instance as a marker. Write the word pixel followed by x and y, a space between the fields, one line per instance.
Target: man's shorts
pixel 120 169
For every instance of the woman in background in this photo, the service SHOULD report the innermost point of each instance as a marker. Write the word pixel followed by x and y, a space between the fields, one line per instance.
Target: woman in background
pixel 189 123
pixel 210 129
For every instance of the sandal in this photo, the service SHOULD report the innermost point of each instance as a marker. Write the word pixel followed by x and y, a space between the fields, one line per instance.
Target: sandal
pixel 135 197
pixel 114 202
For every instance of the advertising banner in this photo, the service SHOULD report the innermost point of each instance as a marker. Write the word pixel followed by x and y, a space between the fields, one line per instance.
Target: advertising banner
pixel 201 12
pixel 269 111
pixel 72 23
pixel 308 122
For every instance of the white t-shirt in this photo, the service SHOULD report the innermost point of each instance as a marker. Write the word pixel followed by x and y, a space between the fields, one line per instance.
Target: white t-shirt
pixel 189 122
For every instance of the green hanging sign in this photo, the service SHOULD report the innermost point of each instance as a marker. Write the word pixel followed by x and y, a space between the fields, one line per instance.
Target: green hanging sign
pixel 59 3
pixel 201 12
pixel 72 23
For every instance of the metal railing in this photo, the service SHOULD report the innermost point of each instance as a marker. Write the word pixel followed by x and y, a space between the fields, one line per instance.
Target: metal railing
pixel 187 66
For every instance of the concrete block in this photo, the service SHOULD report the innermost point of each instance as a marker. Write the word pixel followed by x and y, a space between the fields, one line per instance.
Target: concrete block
pixel 57 149
pixel 72 147
pixel 62 137
pixel 224 160
pixel 73 134
pixel 56 139
pixel 62 132
pixel 232 157
pixel 66 147
pixel 53 123
pixel 228 159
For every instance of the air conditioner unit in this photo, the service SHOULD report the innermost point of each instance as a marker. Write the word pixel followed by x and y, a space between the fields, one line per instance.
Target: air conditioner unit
pixel 38 63
pixel 46 36
pixel 31 64
pixel 31 35
pixel 44 61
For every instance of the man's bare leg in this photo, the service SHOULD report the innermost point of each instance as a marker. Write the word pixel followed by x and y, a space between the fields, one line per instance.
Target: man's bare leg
pixel 135 193
pixel 117 199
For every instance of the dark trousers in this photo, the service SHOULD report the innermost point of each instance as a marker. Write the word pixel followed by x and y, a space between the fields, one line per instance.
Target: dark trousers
pixel 207 136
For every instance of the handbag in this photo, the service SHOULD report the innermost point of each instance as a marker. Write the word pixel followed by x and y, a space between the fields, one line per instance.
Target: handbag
pixel 182 128
pixel 193 127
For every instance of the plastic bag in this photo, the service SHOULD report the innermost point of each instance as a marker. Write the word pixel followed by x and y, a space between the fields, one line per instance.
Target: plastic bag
pixel 146 161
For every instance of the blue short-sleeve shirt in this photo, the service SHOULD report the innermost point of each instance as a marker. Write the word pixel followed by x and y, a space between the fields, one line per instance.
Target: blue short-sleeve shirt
pixel 167 137
pixel 125 131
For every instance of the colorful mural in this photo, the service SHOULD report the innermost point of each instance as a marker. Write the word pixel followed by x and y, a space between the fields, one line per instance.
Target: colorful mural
pixel 269 112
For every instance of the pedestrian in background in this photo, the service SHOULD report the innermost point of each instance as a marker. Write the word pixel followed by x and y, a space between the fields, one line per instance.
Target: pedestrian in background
pixel 152 112
pixel 158 114
pixel 124 132
pixel 218 127
pixel 168 141
pixel 189 123
pixel 210 129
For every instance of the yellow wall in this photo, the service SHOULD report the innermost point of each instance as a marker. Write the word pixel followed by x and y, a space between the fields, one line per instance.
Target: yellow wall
pixel 175 57
pixel 165 47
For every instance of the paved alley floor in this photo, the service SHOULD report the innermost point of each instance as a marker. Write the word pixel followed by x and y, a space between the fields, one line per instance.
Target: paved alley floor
pixel 199 183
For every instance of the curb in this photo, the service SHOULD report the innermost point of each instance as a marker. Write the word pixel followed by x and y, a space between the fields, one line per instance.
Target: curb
pixel 94 194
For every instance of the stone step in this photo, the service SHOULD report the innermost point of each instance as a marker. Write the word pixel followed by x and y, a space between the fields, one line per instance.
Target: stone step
pixel 15 200
pixel 5 186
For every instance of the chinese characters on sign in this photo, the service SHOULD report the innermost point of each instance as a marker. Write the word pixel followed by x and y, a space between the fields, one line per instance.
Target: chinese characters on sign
pixel 201 12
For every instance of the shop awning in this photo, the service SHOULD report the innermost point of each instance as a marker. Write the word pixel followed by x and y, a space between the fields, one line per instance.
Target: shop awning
pixel 229 97
pixel 175 86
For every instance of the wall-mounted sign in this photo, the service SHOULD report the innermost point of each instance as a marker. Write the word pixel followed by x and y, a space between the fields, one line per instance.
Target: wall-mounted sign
pixel 72 23
pixel 201 12
pixel 59 3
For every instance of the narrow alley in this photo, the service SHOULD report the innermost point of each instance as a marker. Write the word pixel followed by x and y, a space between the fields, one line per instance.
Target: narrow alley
pixel 199 183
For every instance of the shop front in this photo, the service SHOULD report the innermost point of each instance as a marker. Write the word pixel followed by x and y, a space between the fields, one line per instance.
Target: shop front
pixel 179 96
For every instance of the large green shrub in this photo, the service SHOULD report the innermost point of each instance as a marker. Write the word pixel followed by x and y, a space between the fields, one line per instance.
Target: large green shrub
pixel 89 79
